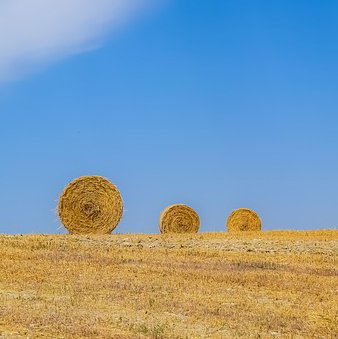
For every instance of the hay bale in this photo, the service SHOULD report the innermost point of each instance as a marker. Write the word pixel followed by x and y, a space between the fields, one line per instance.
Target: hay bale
pixel 179 219
pixel 90 205
pixel 243 219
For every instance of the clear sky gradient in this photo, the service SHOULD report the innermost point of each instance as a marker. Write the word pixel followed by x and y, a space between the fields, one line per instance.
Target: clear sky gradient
pixel 216 104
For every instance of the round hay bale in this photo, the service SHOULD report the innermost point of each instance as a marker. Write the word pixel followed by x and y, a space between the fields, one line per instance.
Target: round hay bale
pixel 179 219
pixel 90 205
pixel 243 219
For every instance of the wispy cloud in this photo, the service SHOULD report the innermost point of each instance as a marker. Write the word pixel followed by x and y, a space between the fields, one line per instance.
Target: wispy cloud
pixel 36 32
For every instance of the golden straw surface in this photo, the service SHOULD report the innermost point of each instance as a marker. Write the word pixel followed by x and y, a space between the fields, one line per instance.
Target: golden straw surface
pixel 90 205
pixel 179 219
pixel 243 219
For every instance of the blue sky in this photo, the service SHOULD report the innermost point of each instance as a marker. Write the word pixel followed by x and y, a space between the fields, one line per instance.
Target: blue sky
pixel 217 104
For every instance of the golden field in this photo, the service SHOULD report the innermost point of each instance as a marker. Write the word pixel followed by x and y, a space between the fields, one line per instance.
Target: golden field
pixel 209 285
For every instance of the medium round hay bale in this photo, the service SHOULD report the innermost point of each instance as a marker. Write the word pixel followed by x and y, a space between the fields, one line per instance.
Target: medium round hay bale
pixel 90 205
pixel 243 219
pixel 179 219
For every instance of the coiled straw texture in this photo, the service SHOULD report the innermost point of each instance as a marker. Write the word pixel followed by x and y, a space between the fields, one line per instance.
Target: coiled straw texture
pixel 243 219
pixel 179 219
pixel 90 205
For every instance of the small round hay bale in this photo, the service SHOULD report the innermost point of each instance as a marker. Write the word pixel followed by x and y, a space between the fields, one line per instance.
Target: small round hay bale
pixel 243 219
pixel 90 205
pixel 179 219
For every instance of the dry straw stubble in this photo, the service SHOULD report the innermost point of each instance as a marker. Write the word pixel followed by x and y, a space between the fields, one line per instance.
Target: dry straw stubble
pixel 179 218
pixel 243 219
pixel 90 205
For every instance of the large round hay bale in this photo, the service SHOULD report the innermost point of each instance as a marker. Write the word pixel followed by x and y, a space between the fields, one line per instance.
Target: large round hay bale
pixel 90 205
pixel 179 219
pixel 243 219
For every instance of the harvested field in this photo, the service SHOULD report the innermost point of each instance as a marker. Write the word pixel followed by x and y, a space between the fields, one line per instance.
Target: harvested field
pixel 208 285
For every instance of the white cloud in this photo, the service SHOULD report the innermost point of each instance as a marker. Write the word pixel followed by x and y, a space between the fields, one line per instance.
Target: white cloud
pixel 36 32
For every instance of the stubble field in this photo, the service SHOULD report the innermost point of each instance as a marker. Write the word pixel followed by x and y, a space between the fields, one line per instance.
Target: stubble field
pixel 208 285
